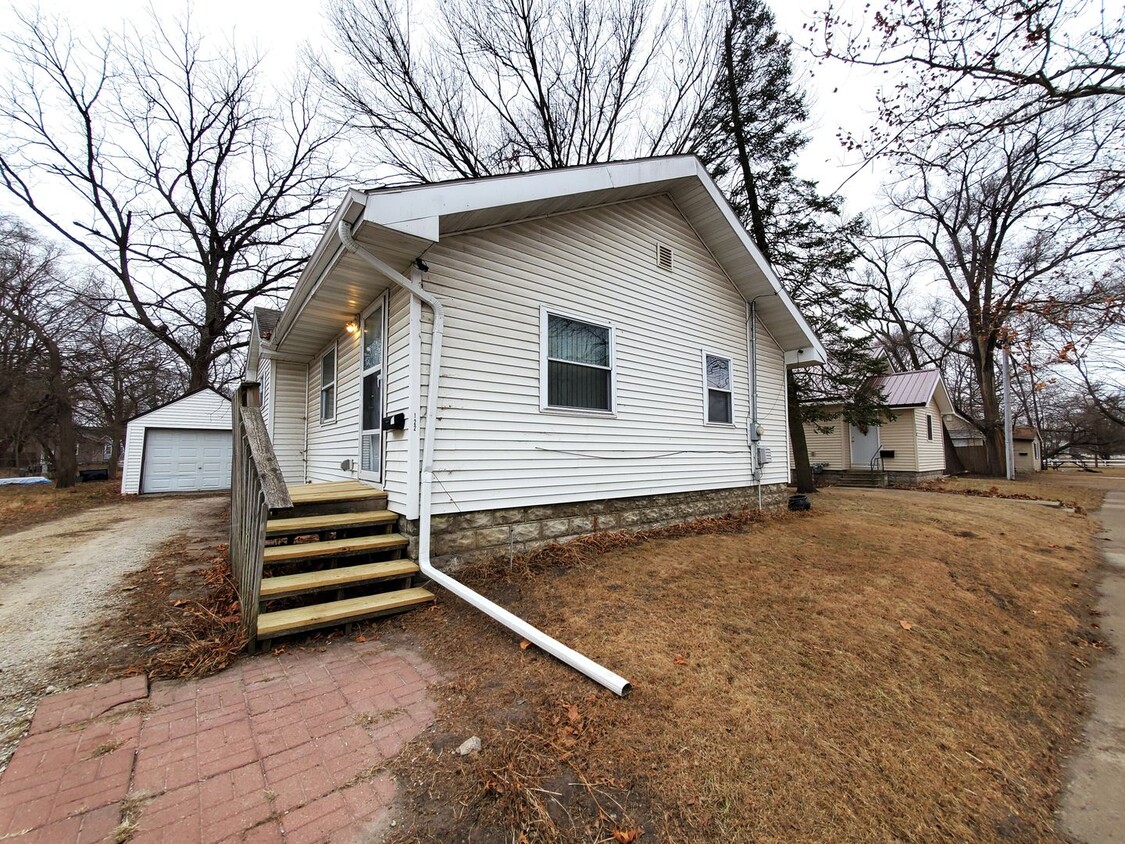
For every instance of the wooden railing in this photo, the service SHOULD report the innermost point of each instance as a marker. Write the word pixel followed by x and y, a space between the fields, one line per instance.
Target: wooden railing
pixel 256 487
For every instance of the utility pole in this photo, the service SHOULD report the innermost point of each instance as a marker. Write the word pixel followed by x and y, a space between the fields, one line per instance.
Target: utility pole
pixel 1009 461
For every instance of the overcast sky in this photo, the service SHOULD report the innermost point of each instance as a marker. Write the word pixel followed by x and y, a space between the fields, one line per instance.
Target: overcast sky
pixel 839 96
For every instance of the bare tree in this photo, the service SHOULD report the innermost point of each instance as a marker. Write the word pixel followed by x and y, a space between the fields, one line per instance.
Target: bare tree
pixel 1024 226
pixel 977 63
pixel 35 303
pixel 168 165
pixel 499 86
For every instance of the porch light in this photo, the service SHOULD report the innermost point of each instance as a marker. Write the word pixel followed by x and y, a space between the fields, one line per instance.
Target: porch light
pixel 353 326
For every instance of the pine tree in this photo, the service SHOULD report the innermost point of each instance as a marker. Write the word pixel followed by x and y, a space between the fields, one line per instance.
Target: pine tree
pixel 749 139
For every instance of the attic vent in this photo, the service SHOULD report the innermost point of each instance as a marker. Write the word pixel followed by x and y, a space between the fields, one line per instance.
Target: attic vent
pixel 664 256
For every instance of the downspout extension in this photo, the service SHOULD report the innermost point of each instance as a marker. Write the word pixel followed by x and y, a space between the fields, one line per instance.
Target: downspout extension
pixel 598 673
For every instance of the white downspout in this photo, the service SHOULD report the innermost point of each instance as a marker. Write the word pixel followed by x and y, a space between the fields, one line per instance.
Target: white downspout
pixel 754 429
pixel 615 683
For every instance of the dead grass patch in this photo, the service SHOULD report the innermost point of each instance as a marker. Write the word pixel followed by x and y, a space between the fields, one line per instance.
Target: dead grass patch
pixel 202 634
pixel 779 695
pixel 1047 486
pixel 22 507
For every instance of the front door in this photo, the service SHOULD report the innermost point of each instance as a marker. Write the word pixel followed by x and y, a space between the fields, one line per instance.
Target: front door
pixel 865 445
pixel 371 401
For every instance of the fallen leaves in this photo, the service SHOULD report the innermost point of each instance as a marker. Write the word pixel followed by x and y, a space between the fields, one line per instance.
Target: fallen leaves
pixel 524 644
pixel 626 836
pixel 679 660
pixel 904 624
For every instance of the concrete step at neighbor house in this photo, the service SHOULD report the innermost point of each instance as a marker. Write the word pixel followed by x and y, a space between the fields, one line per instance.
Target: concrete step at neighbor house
pixel 334 558
pixel 875 480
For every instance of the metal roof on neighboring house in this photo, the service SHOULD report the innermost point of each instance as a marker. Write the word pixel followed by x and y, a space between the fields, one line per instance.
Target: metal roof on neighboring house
pixel 908 389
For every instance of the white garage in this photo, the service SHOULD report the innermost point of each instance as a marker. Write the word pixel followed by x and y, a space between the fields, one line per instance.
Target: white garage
pixel 182 446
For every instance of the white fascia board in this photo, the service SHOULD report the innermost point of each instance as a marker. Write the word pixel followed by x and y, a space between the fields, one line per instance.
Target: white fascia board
pixel 422 202
pixel 815 353
pixel 426 228
pixel 325 254
pixel 812 356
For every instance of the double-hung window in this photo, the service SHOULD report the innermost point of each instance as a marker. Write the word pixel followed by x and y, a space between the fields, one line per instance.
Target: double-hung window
pixel 577 364
pixel 718 389
pixel 328 385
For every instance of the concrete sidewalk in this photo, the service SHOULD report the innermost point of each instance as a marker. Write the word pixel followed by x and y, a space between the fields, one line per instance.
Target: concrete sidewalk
pixel 275 749
pixel 1093 805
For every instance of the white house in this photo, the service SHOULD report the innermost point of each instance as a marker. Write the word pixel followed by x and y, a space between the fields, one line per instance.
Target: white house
pixel 614 355
pixel 181 446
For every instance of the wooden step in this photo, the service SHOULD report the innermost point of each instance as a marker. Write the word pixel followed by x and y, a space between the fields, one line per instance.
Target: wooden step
pixel 340 612
pixel 333 548
pixel 332 521
pixel 336 491
pixel 337 578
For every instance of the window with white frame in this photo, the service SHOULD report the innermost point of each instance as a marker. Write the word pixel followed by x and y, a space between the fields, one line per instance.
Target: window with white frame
pixel 328 386
pixel 577 364
pixel 718 390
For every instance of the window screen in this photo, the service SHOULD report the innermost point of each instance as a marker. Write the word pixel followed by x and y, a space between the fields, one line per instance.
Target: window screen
pixel 720 398
pixel 579 366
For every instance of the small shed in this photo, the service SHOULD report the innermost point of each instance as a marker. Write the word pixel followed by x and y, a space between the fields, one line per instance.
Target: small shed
pixel 1027 448
pixel 181 446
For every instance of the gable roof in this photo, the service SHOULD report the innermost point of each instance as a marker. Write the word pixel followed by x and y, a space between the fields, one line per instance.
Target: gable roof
pixel 401 223
pixel 914 389
pixel 1024 432
pixel 266 320
pixel 171 402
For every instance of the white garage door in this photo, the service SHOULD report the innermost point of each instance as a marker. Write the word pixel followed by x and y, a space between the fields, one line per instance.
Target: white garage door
pixel 183 460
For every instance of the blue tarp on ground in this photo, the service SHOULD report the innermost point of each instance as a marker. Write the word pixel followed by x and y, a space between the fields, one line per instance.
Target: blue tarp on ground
pixel 23 481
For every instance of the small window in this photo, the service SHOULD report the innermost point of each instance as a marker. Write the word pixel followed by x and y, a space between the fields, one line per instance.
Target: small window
pixel 578 364
pixel 328 386
pixel 929 427
pixel 717 383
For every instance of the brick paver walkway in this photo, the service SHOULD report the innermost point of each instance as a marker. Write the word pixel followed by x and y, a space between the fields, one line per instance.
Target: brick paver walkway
pixel 275 749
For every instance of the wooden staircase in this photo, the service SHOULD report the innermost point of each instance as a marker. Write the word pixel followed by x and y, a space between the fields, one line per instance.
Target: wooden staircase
pixel 333 558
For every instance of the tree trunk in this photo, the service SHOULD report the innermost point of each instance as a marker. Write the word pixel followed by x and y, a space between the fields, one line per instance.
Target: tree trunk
pixel 116 433
pixel 993 423
pixel 66 458
pixel 802 469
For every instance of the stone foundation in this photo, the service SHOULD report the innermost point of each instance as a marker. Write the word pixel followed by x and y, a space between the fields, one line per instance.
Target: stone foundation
pixel 460 538
pixel 912 478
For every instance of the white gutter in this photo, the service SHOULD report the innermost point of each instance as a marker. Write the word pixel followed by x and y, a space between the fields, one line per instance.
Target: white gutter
pixel 615 683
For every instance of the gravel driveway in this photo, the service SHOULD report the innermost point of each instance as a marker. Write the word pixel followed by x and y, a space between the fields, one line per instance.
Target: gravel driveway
pixel 58 579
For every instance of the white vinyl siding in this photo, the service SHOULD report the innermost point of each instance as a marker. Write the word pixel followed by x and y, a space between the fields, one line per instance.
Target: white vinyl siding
pixel 497 449
pixel 833 448
pixel 288 418
pixel 331 445
pixel 400 470
pixel 202 410
pixel 931 453
pixel 899 436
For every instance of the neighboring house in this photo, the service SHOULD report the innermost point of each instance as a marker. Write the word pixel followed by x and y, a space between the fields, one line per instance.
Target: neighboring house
pixel 181 446
pixel 615 351
pixel 904 450
pixel 1027 446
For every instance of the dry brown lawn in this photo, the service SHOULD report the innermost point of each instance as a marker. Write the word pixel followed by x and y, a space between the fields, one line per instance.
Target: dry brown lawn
pixel 893 666
pixel 1075 489
pixel 24 506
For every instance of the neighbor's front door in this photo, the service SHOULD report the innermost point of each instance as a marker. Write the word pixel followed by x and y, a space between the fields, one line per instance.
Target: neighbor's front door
pixel 865 445
pixel 371 397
